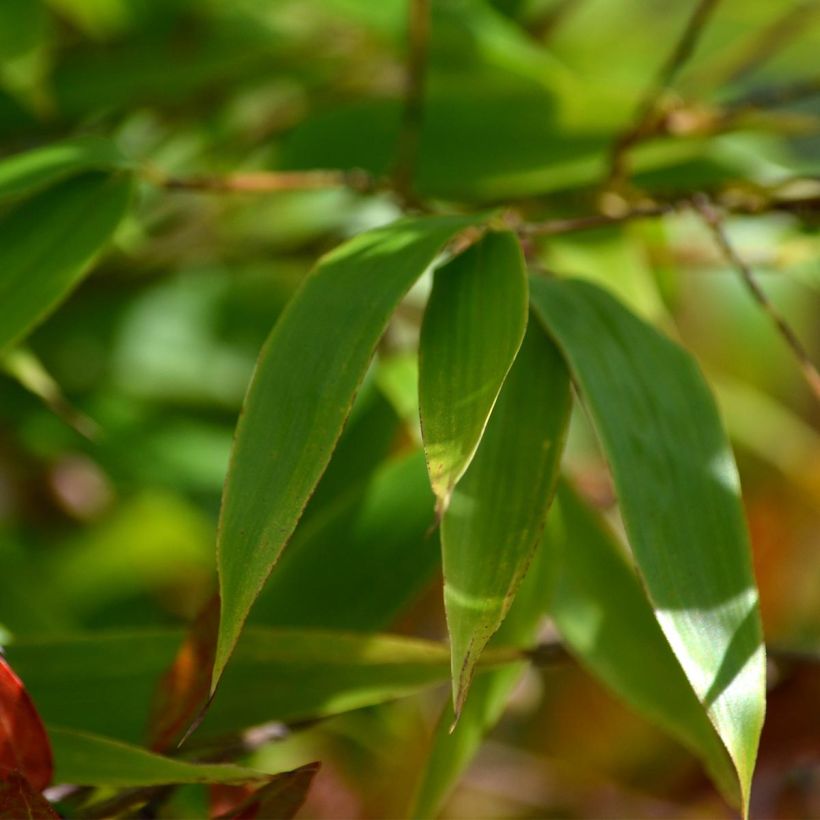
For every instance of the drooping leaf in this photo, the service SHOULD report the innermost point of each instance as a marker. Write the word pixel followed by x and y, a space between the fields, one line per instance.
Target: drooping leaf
pixel 24 746
pixel 82 758
pixel 183 690
pixel 497 512
pixel 48 242
pixel 281 798
pixel 31 171
pixel 473 326
pixel 305 380
pixel 453 747
pixel 284 675
pixel 18 798
pixel 680 497
pixel 605 619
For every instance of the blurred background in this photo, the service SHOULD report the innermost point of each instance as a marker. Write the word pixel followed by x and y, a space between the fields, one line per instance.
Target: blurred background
pixel 116 418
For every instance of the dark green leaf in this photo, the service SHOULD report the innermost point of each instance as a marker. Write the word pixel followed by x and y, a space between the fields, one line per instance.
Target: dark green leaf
pixel 302 390
pixel 48 243
pixel 680 497
pixel 29 172
pixel 473 326
pixel 498 510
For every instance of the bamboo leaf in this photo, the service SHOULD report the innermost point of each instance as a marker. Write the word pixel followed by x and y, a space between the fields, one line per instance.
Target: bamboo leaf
pixel 473 326
pixel 277 674
pixel 680 497
pixel 87 759
pixel 605 619
pixel 453 747
pixel 305 381
pixel 497 512
pixel 48 242
pixel 31 171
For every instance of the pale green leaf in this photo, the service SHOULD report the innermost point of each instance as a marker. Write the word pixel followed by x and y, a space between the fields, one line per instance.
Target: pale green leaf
pixel 473 326
pixel 302 390
pixel 680 497
pixel 605 619
pixel 498 509
pixel 87 759
pixel 48 242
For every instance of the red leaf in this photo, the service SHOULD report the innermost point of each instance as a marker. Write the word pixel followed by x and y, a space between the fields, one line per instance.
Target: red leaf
pixel 24 744
pixel 18 799
pixel 279 799
pixel 183 692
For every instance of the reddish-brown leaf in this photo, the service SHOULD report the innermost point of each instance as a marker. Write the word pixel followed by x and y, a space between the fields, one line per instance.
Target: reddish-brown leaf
pixel 24 744
pixel 279 799
pixel 183 692
pixel 18 799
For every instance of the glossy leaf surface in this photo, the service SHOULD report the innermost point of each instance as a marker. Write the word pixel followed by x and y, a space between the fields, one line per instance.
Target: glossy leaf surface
pixel 605 619
pixel 48 242
pixel 473 326
pixel 497 512
pixel 297 403
pixel 680 498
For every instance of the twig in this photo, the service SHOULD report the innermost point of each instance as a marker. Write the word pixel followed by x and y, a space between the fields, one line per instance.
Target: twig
pixel 418 36
pixel 775 96
pixel 266 181
pixel 705 207
pixel 554 227
pixel 645 117
pixel 762 47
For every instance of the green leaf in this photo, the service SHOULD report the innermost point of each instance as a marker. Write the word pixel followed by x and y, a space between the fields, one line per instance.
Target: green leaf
pixel 453 747
pixel 380 543
pixel 605 619
pixel 277 674
pixel 87 759
pixel 680 498
pixel 498 510
pixel 48 242
pixel 31 171
pixel 473 326
pixel 302 390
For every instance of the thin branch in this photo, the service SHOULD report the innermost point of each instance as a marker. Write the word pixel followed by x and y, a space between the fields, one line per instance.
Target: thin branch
pixel 774 96
pixel 706 208
pixel 418 37
pixel 647 109
pixel 266 181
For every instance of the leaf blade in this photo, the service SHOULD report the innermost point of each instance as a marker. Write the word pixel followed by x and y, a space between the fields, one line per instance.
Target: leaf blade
pixel 48 243
pixel 605 619
pixel 331 328
pixel 473 325
pixel 679 493
pixel 498 510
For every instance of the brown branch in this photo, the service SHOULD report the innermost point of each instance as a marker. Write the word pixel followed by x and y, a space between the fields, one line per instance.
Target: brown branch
pixel 266 181
pixel 418 36
pixel 645 118
pixel 767 43
pixel 775 96
pixel 707 210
